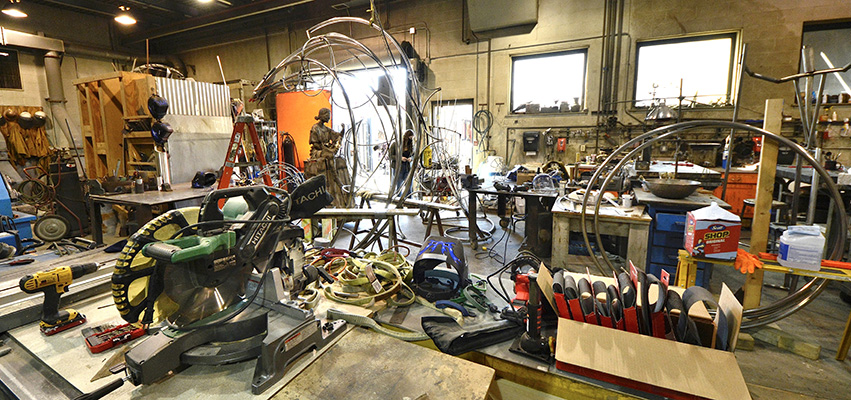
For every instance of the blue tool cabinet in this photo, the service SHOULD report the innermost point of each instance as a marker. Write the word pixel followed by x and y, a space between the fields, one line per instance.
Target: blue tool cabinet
pixel 667 235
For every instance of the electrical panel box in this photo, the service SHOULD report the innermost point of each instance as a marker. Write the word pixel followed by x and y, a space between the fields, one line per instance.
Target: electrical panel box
pixel 530 142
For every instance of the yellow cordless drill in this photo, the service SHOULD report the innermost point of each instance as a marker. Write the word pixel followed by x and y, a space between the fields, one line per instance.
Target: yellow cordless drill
pixel 53 283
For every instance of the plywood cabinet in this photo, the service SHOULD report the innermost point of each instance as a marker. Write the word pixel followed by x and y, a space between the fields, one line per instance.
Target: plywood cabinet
pixel 115 121
pixel 740 186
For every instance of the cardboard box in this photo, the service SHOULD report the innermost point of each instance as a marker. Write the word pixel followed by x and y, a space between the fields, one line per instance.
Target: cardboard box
pixel 523 177
pixel 653 365
pixel 712 232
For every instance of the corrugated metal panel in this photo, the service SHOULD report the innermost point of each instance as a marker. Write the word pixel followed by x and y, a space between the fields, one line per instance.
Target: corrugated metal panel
pixel 194 98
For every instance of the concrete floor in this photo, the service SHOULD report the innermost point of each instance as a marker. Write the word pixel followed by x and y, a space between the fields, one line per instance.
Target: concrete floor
pixel 771 373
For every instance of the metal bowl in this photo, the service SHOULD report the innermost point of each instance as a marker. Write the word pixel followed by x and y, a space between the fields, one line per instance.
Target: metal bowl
pixel 672 188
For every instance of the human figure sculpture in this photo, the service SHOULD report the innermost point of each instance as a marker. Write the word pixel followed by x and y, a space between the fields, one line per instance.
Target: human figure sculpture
pixel 324 143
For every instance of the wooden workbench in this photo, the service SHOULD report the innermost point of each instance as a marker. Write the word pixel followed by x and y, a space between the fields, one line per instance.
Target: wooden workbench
pixel 633 223
pixel 686 268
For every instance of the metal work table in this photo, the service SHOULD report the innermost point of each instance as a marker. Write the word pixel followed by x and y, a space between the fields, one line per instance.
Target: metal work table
pixel 788 172
pixel 536 204
pixel 62 366
pixel 708 178
pixel 395 370
pixel 18 308
pixel 66 355
pixel 695 200
pixel 632 223
pixel 143 202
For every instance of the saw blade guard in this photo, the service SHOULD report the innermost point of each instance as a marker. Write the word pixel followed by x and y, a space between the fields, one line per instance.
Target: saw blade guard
pixel 133 270
pixel 206 275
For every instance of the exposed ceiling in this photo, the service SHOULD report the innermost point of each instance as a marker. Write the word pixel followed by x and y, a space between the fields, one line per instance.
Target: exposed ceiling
pixel 148 12
pixel 174 25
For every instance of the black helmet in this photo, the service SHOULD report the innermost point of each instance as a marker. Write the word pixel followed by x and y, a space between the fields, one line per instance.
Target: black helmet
pixel 10 115
pixel 158 106
pixel 203 179
pixel 160 131
pixel 40 118
pixel 25 120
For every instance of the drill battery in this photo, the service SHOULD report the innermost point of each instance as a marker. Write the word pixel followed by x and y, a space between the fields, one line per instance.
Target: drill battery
pixel 98 341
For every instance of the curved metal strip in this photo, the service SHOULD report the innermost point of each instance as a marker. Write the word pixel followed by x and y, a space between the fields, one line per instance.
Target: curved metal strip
pixel 758 316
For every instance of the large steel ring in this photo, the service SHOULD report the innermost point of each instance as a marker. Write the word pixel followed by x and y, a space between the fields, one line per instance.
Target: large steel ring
pixel 756 316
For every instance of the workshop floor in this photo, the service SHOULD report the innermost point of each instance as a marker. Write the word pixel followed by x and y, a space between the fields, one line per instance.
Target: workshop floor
pixel 770 372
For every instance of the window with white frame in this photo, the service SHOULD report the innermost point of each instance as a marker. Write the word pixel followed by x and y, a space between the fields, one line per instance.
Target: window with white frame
pixel 552 82
pixel 702 66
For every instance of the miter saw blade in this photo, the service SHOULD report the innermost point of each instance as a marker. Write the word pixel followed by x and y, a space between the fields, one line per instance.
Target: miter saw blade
pixel 133 269
pixel 198 294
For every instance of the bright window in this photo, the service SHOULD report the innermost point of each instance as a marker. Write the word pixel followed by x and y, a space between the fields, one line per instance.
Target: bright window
pixel 453 127
pixel 553 82
pixel 703 65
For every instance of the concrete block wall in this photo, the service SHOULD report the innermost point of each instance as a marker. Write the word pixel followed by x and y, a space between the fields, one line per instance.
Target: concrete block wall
pixel 481 70
pixel 67 26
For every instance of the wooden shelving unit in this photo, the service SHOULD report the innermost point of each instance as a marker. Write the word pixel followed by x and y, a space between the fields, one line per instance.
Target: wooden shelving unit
pixel 111 107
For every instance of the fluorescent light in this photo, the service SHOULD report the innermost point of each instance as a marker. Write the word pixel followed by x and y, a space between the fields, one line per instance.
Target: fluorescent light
pixel 13 10
pixel 205 1
pixel 836 74
pixel 124 17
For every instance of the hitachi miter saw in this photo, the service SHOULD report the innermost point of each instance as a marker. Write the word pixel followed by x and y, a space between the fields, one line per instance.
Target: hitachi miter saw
pixel 224 279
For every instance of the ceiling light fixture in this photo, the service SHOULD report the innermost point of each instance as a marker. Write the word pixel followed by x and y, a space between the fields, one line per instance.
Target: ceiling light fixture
pixel 205 1
pixel 13 9
pixel 124 17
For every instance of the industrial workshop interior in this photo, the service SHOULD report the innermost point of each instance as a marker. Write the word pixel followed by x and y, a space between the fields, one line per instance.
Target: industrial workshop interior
pixel 424 200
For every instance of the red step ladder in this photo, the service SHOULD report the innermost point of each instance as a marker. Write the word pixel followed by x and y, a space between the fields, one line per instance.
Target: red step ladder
pixel 236 151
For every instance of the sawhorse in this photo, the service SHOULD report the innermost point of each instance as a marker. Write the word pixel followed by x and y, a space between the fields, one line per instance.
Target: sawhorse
pixel 433 209
pixel 687 272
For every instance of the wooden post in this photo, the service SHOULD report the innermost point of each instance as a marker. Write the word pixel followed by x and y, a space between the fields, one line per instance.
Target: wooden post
pixel 764 196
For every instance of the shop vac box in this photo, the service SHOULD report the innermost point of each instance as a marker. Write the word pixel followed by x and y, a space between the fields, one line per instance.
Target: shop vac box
pixel 712 232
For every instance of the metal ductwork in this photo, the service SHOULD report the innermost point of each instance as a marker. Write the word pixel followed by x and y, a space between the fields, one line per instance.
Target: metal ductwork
pixel 56 94
pixel 53 49
pixel 106 54
pixel 9 37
